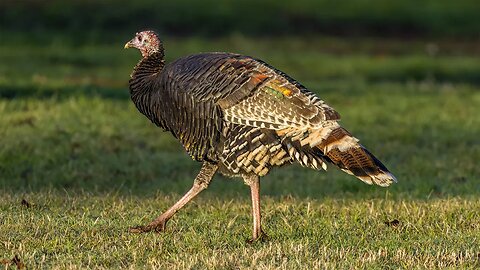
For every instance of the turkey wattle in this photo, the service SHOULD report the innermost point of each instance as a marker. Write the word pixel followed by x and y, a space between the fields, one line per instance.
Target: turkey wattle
pixel 241 117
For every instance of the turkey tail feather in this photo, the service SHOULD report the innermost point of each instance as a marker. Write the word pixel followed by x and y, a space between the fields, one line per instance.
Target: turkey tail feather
pixel 334 144
pixel 343 150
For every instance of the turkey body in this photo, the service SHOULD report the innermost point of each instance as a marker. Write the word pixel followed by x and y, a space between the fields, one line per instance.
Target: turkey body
pixel 241 117
pixel 247 117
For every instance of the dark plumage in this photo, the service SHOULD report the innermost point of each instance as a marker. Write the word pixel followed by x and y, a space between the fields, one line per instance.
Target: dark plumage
pixel 242 117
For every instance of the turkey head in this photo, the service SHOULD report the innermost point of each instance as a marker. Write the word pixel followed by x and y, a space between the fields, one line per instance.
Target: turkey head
pixel 147 42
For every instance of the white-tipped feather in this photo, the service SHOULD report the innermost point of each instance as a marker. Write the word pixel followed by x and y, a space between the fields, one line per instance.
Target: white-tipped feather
pixel 255 152
pixel 321 134
pixel 315 163
pixel 324 166
pixel 343 144
pixel 305 159
pixel 384 179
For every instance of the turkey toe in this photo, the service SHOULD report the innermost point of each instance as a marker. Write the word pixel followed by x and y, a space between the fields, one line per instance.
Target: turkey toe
pixel 158 227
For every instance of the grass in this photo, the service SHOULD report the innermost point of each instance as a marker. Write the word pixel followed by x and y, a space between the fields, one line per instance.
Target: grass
pixel 81 230
pixel 89 165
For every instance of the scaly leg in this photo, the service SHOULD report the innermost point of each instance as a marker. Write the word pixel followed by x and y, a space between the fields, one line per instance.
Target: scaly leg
pixel 254 182
pixel 201 182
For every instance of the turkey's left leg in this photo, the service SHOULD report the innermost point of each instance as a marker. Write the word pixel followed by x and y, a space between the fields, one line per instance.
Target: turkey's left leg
pixel 201 182
pixel 254 182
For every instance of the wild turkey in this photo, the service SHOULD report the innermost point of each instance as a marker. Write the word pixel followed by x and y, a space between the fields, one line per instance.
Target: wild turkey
pixel 241 117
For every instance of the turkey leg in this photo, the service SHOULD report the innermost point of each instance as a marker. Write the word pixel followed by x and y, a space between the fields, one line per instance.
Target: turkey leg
pixel 201 182
pixel 254 182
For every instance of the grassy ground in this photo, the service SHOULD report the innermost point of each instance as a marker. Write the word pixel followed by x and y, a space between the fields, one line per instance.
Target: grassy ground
pixel 73 146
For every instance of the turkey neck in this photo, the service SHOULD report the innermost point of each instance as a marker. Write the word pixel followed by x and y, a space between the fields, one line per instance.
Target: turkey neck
pixel 148 66
pixel 146 87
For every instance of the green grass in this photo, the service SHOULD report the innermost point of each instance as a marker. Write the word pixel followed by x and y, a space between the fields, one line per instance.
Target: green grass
pixel 73 145
pixel 81 230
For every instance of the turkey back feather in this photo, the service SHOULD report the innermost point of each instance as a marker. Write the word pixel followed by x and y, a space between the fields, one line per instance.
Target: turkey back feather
pixel 247 116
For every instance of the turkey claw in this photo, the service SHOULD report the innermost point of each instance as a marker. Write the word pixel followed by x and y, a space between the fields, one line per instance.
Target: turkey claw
pixel 159 227
pixel 263 237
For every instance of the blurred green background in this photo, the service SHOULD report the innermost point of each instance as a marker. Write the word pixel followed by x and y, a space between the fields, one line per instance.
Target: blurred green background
pixel 102 20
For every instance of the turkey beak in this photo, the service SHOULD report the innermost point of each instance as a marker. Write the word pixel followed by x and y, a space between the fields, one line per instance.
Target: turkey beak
pixel 128 45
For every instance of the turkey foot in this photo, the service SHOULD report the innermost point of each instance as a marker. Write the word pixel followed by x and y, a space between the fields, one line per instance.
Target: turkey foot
pixel 156 226
pixel 201 182
pixel 262 237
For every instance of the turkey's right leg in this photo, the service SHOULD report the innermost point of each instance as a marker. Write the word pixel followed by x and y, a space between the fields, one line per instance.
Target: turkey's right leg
pixel 254 182
pixel 201 182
